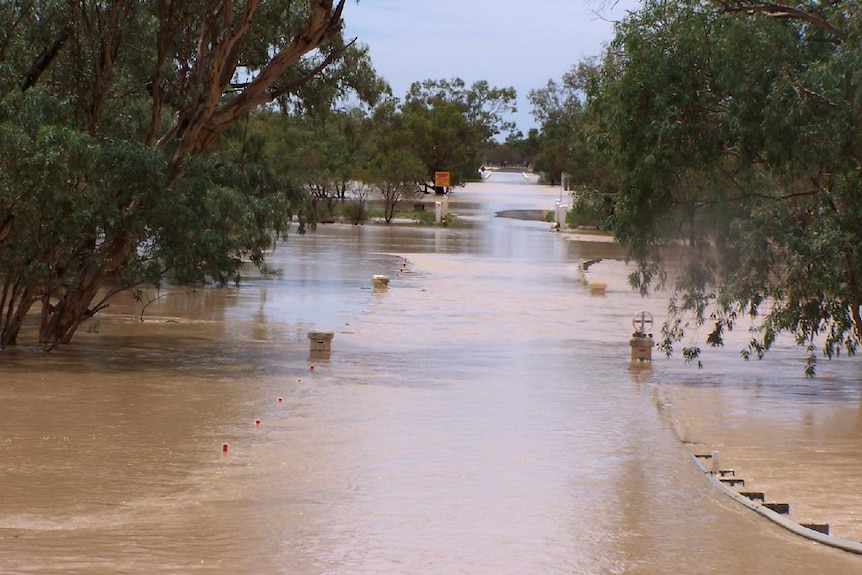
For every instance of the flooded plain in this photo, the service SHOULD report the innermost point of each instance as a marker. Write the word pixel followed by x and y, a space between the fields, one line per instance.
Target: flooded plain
pixel 479 416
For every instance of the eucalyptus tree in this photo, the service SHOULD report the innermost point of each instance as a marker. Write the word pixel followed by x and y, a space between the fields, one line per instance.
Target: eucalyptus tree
pixel 394 166
pixel 450 122
pixel 735 128
pixel 559 110
pixel 516 150
pixel 323 152
pixel 114 171
pixel 327 120
pixel 566 127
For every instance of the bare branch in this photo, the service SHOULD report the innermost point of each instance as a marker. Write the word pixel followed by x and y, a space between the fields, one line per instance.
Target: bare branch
pixel 308 76
pixel 45 58
pixel 778 10
pixel 196 128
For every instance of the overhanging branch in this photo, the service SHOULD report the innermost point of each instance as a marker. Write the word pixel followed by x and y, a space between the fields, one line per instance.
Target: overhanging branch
pixel 311 74
pixel 779 10
pixel 45 58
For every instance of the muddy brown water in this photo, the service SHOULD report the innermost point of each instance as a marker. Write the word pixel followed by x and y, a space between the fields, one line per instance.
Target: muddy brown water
pixel 478 416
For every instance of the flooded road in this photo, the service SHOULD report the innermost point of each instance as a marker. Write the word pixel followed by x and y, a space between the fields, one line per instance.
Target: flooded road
pixel 479 416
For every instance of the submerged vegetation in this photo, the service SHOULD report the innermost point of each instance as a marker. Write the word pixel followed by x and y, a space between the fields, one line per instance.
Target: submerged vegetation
pixel 167 139
pixel 731 128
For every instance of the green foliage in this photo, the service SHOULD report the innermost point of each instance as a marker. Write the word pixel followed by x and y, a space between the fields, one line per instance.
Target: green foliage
pixel 349 78
pixel 326 153
pixel 441 126
pixel 448 123
pixel 589 208
pixel 738 135
pixel 425 217
pixel 355 212
pixel 394 166
pixel 128 151
pixel 219 215
pixel 517 150
pixel 565 144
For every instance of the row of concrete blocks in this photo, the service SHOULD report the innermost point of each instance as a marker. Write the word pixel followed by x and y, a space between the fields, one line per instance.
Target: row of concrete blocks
pixel 729 478
pixel 320 342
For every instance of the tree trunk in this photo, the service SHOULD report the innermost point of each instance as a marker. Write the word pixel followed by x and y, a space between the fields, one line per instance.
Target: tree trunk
pixel 69 313
pixel 855 300
pixel 45 58
pixel 857 318
pixel 16 312
pixel 195 127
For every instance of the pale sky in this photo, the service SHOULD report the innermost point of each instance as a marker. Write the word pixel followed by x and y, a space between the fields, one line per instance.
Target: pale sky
pixel 517 43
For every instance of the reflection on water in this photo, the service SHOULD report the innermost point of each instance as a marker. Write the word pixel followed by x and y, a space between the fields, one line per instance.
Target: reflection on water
pixel 478 416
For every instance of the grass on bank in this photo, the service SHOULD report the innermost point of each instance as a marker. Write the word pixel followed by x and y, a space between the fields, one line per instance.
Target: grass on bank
pixel 356 213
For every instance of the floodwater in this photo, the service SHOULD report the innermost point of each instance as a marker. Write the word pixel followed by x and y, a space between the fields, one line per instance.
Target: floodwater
pixel 479 416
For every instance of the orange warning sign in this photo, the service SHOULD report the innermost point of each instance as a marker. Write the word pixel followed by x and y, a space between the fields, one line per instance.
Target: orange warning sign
pixel 441 179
